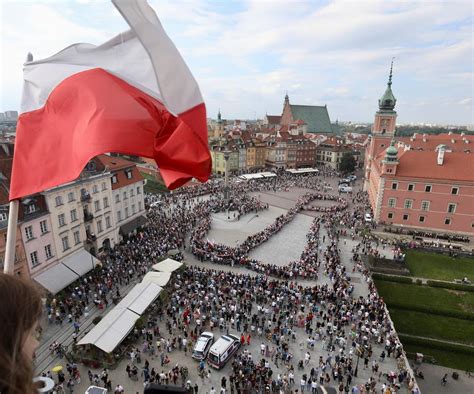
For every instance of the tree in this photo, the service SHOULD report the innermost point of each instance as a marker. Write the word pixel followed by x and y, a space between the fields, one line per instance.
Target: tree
pixel 348 163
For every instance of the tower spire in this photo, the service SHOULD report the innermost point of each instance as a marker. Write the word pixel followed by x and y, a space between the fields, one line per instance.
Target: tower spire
pixel 390 76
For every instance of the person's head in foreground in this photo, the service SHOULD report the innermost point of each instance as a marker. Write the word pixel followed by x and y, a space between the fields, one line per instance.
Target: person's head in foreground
pixel 20 310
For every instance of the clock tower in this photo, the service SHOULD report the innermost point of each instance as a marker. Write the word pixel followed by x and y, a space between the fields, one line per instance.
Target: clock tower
pixel 383 129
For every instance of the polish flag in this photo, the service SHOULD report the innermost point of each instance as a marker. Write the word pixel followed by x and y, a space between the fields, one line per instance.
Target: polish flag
pixel 133 94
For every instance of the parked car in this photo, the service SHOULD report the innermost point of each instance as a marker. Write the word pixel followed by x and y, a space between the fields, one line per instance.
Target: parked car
pixel 345 181
pixel 352 177
pixel 203 344
pixel 368 218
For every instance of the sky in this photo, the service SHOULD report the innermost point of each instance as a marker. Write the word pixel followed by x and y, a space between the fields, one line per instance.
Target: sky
pixel 246 55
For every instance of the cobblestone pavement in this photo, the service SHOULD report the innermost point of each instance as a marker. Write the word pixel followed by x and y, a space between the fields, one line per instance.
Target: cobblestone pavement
pixel 283 247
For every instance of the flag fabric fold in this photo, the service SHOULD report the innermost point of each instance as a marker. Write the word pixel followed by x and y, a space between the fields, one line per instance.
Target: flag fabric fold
pixel 133 94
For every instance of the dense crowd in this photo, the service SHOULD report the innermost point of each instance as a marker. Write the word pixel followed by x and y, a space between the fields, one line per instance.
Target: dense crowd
pixel 270 307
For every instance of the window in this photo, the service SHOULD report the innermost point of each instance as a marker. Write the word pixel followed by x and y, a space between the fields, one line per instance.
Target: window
pixel 43 227
pixel 126 212
pixel 29 232
pixel 390 215
pixel 107 222
pixel 138 190
pixel 405 216
pixel 133 209
pixel 3 216
pixel 447 221
pixel 97 205
pixel 132 192
pixel 61 220
pixel 99 226
pixel 139 205
pixel 394 186
pixel 71 196
pixel 114 179
pixel 408 204
pixel 125 195
pixel 392 202
pixel 117 198
pixel 77 237
pixel 95 189
pixel 34 258
pixel 73 215
pixel 119 216
pixel 104 186
pixel 411 187
pixel 425 205
pixel 451 208
pixel 129 174
pixel 30 208
pixel 455 190
pixel 48 252
pixel 428 188
pixel 65 241
pixel 106 202
pixel 59 200
pixel 421 219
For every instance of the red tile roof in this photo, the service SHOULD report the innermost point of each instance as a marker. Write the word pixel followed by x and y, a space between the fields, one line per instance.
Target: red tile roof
pixel 273 119
pixel 119 167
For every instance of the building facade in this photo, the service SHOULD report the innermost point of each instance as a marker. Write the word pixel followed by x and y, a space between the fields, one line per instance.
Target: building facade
pixel 417 182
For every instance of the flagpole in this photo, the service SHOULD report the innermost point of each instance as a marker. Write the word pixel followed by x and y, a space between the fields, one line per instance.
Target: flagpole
pixel 11 237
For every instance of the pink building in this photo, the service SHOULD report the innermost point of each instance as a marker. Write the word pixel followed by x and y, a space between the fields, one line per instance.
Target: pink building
pixel 424 182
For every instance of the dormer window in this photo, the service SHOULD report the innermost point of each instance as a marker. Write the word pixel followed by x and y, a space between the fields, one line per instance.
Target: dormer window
pixel 128 174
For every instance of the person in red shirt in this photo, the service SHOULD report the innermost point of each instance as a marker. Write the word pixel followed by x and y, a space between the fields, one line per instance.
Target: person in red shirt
pixel 248 339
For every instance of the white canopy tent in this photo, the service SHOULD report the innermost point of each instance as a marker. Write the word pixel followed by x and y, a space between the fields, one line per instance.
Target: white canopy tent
pixel 140 297
pixel 258 175
pixel 111 330
pixel 61 275
pixel 168 265
pixel 302 170
pixel 158 278
pixel 56 278
pixel 81 262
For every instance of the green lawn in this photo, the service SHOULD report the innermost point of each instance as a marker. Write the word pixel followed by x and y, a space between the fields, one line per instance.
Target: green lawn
pixel 439 298
pixel 439 266
pixel 445 358
pixel 433 326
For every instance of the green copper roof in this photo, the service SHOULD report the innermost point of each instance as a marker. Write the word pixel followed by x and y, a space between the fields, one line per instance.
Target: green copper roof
pixel 388 100
pixel 316 117
pixel 392 151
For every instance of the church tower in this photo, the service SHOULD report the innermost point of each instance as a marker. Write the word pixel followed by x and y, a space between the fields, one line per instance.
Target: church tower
pixel 219 130
pixel 383 129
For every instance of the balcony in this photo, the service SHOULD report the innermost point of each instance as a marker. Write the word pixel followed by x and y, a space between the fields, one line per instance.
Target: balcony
pixel 85 197
pixel 90 237
pixel 88 216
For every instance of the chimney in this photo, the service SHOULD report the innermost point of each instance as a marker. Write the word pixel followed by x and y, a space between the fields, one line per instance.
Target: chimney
pixel 440 156
pixel 453 141
pixel 463 134
pixel 450 133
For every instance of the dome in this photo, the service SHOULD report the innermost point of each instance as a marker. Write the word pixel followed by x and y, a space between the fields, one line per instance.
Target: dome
pixel 391 151
pixel 388 100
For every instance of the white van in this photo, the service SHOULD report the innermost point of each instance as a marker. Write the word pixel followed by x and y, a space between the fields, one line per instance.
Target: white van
pixel 222 350
pixel 345 189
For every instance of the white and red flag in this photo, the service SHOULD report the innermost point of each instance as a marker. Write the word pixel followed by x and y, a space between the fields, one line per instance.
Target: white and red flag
pixel 133 94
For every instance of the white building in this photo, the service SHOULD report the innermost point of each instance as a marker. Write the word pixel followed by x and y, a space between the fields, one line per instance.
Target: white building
pixel 128 197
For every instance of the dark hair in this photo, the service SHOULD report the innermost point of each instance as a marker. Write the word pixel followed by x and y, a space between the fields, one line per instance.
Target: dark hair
pixel 20 310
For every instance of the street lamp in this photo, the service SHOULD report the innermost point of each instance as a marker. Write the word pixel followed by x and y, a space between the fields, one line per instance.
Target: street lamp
pixel 360 352
pixel 226 181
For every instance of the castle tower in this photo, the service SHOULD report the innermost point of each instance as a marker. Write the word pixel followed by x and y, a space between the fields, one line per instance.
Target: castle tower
pixel 383 129
pixel 219 130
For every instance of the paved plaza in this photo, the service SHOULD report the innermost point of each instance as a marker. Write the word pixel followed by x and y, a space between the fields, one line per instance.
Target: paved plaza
pixel 283 247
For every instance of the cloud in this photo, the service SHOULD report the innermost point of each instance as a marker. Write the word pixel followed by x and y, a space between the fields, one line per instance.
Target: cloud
pixel 247 54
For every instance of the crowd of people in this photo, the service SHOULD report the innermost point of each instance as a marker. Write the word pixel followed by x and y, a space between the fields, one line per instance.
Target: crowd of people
pixel 269 307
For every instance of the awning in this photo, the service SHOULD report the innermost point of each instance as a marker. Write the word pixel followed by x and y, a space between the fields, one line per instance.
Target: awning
pixel 81 262
pixel 111 330
pixel 140 297
pixel 67 271
pixel 158 278
pixel 56 278
pixel 132 225
pixel 168 265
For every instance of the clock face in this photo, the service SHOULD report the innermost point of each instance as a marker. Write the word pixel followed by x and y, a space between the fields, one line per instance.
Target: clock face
pixel 384 122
